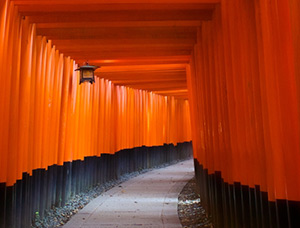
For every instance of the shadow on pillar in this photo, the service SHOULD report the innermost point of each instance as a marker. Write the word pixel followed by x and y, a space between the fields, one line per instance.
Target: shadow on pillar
pixel 33 195
pixel 239 206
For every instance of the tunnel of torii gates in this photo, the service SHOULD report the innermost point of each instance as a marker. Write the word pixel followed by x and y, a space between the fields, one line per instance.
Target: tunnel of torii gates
pixel 222 73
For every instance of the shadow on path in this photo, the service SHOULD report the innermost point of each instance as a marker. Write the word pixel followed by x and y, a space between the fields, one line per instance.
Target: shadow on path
pixel 149 200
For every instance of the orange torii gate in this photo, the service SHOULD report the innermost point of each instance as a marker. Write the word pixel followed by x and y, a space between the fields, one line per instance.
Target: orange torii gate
pixel 240 60
pixel 244 95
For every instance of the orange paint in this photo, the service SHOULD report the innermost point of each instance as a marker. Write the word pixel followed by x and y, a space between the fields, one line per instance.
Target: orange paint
pixel 243 82
pixel 48 118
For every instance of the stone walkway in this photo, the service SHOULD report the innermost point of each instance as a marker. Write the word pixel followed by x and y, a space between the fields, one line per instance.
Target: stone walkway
pixel 147 201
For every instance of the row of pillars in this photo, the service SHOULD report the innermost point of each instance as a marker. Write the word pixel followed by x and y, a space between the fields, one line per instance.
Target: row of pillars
pixel 53 187
pixel 244 92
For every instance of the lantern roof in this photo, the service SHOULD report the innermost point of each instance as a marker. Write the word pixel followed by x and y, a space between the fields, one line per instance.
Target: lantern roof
pixel 87 66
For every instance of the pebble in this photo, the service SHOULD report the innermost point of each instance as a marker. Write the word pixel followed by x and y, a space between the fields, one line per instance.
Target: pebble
pixel 58 216
pixel 190 211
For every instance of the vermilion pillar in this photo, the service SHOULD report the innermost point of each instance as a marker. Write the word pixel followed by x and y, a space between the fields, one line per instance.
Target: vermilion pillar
pixel 244 92
pixel 58 137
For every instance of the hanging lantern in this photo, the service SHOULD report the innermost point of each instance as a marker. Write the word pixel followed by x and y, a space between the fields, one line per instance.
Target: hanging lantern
pixel 87 73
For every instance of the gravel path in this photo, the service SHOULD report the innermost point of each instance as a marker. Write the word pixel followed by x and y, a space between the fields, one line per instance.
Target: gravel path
pixel 149 200
pixel 58 216
pixel 190 211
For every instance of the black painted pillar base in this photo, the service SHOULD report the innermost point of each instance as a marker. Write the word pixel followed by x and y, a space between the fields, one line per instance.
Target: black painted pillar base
pixel 28 199
pixel 239 206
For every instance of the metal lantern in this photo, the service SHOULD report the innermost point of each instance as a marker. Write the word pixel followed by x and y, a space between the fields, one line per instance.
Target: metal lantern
pixel 87 73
